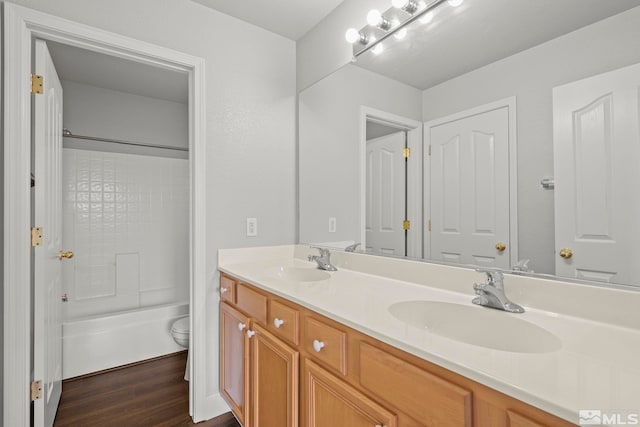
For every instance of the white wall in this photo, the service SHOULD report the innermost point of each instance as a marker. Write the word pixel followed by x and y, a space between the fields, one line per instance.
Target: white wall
pixel 530 76
pixel 329 153
pixel 250 110
pixel 94 111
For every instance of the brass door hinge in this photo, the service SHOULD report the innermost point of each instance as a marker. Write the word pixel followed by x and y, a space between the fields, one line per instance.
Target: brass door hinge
pixel 36 236
pixel 429 149
pixel 429 225
pixel 406 224
pixel 37 84
pixel 36 390
pixel 406 152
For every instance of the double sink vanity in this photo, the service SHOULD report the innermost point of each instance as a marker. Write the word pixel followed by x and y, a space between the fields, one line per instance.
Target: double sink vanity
pixel 393 342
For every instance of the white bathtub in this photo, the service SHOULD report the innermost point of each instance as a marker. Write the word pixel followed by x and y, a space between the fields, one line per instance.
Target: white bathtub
pixel 96 343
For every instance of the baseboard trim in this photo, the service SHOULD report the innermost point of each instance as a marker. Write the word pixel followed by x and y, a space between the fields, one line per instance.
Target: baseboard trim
pixel 128 365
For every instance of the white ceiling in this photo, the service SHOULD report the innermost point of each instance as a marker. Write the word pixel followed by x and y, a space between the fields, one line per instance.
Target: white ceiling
pixel 289 18
pixel 480 32
pixel 109 72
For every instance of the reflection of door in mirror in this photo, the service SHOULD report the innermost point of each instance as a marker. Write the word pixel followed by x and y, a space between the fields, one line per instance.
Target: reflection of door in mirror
pixel 596 158
pixel 386 203
pixel 467 188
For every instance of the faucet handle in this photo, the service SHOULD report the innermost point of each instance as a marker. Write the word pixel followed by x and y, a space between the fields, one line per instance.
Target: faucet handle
pixel 494 276
pixel 352 248
pixel 323 251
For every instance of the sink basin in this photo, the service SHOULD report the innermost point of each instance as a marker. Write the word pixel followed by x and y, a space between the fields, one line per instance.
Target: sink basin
pixel 481 326
pixel 299 274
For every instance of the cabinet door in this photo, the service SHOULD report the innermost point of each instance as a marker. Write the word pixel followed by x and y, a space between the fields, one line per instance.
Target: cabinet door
pixel 274 381
pixel 234 361
pixel 330 402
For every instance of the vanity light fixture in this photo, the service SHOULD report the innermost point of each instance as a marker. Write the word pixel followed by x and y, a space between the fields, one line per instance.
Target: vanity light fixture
pixel 407 5
pixel 375 19
pixel 352 36
pixel 401 14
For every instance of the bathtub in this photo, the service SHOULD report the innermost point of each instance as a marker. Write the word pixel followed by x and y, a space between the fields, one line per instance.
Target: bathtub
pixel 95 343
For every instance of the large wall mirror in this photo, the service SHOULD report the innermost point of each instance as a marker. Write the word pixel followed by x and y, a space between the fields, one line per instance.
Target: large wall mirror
pixel 496 133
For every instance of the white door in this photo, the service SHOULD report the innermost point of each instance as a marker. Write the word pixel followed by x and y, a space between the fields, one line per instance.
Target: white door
pixel 596 125
pixel 469 190
pixel 386 194
pixel 47 326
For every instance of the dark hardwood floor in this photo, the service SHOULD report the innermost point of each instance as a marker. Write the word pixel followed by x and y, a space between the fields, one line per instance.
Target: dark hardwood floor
pixel 148 394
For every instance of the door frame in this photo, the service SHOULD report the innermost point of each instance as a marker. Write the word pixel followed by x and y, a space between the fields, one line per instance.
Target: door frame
pixel 510 103
pixel 414 181
pixel 21 26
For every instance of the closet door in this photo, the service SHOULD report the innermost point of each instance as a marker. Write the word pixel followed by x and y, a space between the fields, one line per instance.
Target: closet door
pixel 469 186
pixel 596 147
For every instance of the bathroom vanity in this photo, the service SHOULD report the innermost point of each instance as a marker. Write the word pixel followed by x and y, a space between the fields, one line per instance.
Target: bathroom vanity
pixel 330 349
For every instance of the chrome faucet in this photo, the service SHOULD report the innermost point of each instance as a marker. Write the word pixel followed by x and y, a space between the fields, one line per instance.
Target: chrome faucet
pixel 323 260
pixel 491 294
pixel 352 248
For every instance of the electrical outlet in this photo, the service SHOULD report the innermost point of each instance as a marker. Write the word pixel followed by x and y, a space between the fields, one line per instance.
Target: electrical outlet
pixel 332 224
pixel 252 227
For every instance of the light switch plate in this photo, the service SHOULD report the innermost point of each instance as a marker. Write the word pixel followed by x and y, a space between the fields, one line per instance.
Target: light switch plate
pixel 252 227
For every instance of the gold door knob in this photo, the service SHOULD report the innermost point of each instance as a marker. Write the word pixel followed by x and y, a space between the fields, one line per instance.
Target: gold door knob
pixel 65 254
pixel 566 253
pixel 501 246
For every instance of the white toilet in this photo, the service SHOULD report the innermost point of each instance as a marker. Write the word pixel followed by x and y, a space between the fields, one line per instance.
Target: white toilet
pixel 180 333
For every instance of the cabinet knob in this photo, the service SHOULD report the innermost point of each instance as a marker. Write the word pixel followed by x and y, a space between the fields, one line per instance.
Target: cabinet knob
pixel 223 290
pixel 277 322
pixel 318 345
pixel 250 333
pixel 241 326
pixel 501 246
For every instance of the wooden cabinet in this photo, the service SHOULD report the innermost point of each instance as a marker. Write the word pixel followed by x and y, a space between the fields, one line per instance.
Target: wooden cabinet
pixel 274 381
pixel 234 361
pixel 330 402
pixel 283 365
pixel 259 373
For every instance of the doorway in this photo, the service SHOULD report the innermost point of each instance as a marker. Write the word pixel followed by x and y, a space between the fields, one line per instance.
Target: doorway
pixel 390 183
pixel 23 27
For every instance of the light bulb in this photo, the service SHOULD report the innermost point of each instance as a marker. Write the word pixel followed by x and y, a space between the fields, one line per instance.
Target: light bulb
pixel 352 35
pixel 426 18
pixel 399 4
pixel 400 34
pixel 455 3
pixel 378 49
pixel 374 17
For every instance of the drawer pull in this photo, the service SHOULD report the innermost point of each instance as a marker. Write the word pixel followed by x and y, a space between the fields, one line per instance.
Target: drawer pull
pixel 318 345
pixel 278 322
pixel 379 425
pixel 223 290
pixel 250 333
pixel 241 326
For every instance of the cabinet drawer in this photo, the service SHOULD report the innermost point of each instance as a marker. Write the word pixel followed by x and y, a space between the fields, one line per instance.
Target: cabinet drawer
pixel 284 321
pixel 412 390
pixel 227 289
pixel 326 344
pixel 251 302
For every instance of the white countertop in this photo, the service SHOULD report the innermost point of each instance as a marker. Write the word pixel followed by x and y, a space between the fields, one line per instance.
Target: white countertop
pixel 597 367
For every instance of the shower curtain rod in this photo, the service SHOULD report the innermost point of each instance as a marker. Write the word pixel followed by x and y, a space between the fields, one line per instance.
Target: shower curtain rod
pixel 68 134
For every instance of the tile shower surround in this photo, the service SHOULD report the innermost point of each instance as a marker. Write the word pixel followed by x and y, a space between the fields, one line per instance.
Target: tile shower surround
pixel 126 218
